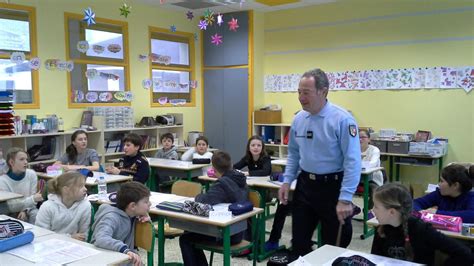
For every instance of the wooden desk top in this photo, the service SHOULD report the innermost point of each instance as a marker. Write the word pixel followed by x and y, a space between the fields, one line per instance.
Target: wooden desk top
pixel 7 195
pixel 374 222
pixel 283 162
pixel 326 254
pixel 36 230
pixel 175 164
pixel 413 155
pixel 255 181
pixel 91 181
pixel 105 257
pixel 157 197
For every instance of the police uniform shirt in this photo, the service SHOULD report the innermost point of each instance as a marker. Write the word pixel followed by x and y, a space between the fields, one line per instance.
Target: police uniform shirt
pixel 325 143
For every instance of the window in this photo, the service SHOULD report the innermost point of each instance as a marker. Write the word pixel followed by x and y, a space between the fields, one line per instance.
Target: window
pixel 172 68
pixel 18 35
pixel 101 74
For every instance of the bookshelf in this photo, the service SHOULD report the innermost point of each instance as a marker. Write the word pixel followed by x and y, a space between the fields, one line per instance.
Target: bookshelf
pixel 97 139
pixel 273 136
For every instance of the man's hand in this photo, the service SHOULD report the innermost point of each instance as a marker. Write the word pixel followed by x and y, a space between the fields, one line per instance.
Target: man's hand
pixel 343 210
pixel 283 193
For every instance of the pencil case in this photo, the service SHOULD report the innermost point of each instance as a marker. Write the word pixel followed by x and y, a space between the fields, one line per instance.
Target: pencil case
pixel 16 241
pixel 442 222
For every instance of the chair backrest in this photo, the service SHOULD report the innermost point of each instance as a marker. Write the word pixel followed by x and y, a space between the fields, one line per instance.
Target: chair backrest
pixel 255 198
pixel 89 233
pixel 186 188
pixel 144 236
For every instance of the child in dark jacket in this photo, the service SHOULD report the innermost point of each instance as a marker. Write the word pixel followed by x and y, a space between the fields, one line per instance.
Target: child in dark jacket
pixel 134 163
pixel 404 237
pixel 230 187
pixel 454 196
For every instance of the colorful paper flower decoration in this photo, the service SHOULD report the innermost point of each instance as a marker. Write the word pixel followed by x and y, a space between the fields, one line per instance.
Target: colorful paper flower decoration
pixel 125 10
pixel 209 17
pixel 173 28
pixel 89 16
pixel 202 25
pixel 220 19
pixel 233 25
pixel 216 39
pixel 190 15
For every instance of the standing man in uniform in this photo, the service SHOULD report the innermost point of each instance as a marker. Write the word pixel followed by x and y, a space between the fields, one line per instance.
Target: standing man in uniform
pixel 324 144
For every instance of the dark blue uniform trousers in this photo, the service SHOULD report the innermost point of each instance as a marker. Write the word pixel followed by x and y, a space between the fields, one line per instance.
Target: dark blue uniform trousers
pixel 314 201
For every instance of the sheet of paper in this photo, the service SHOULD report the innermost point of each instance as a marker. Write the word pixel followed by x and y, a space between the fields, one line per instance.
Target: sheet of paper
pixel 431 188
pixel 53 251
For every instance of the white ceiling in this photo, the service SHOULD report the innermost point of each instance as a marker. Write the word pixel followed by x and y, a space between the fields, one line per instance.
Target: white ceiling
pixel 225 6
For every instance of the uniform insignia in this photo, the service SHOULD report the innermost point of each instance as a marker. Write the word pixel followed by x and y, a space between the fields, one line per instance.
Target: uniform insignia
pixel 353 130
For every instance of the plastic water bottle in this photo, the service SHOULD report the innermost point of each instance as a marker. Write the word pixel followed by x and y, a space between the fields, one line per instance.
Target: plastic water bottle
pixel 102 188
pixel 60 125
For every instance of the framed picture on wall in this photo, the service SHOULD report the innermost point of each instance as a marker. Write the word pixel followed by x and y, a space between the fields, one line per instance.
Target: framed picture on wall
pixel 422 136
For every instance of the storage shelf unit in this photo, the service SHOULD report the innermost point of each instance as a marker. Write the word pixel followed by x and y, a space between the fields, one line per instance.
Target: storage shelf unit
pixel 273 136
pixel 96 139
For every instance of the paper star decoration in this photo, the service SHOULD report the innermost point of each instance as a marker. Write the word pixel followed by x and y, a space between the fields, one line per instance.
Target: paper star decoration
pixel 209 17
pixel 219 19
pixel 202 25
pixel 173 28
pixel 233 24
pixel 216 39
pixel 125 10
pixel 190 15
pixel 89 16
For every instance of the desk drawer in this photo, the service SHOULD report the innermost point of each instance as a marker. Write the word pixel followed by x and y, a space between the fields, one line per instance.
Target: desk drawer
pixel 415 161
pixel 400 147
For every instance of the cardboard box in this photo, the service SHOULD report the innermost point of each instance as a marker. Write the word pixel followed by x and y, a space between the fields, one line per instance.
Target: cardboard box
pixel 400 147
pixel 267 117
pixel 381 144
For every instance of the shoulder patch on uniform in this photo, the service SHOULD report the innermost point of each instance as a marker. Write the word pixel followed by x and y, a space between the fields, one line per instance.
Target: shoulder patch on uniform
pixel 353 130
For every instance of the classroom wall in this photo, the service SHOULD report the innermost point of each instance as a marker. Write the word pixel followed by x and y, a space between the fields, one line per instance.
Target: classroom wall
pixel 51 44
pixel 390 34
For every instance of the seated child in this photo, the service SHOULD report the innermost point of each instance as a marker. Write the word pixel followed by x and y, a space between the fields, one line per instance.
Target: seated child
pixel 256 158
pixel 22 181
pixel 370 158
pixel 454 196
pixel 134 162
pixel 199 154
pixel 78 156
pixel 230 187
pixel 67 210
pixel 168 150
pixel 401 236
pixel 114 226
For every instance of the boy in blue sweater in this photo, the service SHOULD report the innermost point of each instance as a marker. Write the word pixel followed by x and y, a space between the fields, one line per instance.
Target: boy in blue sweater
pixel 454 196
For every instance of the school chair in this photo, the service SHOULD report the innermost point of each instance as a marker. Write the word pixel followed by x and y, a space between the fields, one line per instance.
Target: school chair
pixel 236 249
pixel 181 188
pixel 145 239
pixel 89 235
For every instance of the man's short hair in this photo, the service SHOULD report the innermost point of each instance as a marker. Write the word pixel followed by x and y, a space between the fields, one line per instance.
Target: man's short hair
pixel 320 78
pixel 221 161
pixel 131 192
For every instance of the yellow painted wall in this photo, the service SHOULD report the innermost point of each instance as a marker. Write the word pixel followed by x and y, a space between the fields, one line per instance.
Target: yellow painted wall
pixel 448 113
pixel 51 44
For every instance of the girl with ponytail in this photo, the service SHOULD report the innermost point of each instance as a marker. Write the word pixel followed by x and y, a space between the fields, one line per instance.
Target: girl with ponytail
pixel 67 210
pixel 402 236
pixel 78 156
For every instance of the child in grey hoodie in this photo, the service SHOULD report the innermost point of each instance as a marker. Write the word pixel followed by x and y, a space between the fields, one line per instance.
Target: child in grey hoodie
pixel 169 151
pixel 114 226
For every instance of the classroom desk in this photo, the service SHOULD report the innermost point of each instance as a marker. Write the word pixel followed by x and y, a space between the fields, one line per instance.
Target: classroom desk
pixel 91 183
pixel 374 222
pixel 105 257
pixel 183 149
pixel 394 158
pixel 7 195
pixel 166 167
pixel 280 162
pixel 193 223
pixel 326 254
pixel 36 230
